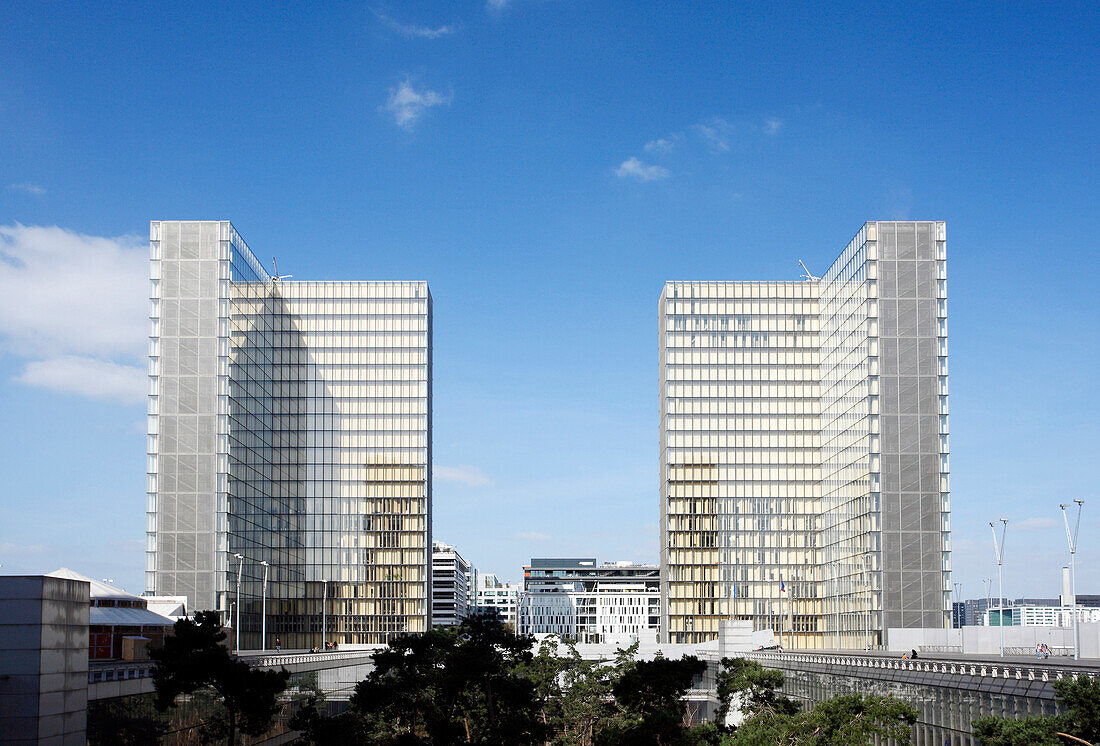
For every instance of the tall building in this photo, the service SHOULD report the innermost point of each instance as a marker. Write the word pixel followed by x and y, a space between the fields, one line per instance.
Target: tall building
pixel 290 424
pixel 494 596
pixel 575 598
pixel 450 586
pixel 804 447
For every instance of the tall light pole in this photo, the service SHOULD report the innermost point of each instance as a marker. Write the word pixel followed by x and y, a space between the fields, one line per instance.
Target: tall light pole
pixel 324 619
pixel 263 611
pixel 988 583
pixel 237 623
pixel 1072 539
pixel 836 601
pixel 954 609
pixel 999 550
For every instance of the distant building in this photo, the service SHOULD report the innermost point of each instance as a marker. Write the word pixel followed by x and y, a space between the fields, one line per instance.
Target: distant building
pixel 120 624
pixel 492 595
pixel 1040 616
pixel 450 586
pixel 575 598
pixel 958 614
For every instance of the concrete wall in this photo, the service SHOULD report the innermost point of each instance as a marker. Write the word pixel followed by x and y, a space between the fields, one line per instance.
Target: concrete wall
pixel 987 640
pixel 43 660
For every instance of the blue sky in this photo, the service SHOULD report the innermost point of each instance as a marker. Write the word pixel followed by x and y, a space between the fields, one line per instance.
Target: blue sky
pixel 546 165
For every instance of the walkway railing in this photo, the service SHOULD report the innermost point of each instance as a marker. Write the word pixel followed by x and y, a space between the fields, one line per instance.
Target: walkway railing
pixel 982 669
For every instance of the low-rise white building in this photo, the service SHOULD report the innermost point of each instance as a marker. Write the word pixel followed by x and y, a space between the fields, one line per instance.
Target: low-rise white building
pixel 577 599
pixel 491 594
pixel 1040 616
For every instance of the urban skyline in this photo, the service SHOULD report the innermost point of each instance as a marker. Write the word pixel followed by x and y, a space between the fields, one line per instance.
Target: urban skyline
pixel 546 202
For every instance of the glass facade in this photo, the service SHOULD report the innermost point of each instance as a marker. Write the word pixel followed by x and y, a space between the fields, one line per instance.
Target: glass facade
pixel 804 447
pixel 289 422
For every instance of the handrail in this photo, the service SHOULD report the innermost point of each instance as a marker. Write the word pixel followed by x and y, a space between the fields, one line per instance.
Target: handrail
pixel 980 669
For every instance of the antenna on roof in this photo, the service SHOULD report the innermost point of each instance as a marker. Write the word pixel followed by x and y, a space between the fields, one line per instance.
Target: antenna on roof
pixel 808 276
pixel 276 277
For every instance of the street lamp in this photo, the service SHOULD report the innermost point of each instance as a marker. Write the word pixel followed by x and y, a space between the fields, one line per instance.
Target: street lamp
pixel 1072 539
pixel 836 600
pixel 263 609
pixel 954 607
pixel 237 623
pixel 324 620
pixel 988 583
pixel 999 550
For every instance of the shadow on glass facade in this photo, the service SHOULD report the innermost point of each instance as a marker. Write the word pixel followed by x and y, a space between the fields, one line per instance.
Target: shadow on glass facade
pixel 290 424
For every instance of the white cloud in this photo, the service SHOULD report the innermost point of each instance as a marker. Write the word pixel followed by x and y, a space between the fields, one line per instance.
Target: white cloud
pixel 632 168
pixel 407 104
pixel 1034 524
pixel 85 376
pixel 715 133
pixel 772 126
pixel 77 306
pixel 28 188
pixel 471 476
pixel 661 145
pixel 415 31
pixel 534 536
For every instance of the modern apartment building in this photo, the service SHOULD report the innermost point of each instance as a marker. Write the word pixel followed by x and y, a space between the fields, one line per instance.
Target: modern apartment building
pixel 289 449
pixel 576 598
pixel 451 581
pixel 493 595
pixel 804 447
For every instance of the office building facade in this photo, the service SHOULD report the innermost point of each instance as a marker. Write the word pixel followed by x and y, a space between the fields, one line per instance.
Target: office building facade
pixel 493 596
pixel 804 447
pixel 451 586
pixel 578 599
pixel 290 424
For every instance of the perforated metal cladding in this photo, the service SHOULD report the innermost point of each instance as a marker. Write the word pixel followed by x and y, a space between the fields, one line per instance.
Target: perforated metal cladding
pixel 912 357
pixel 289 422
pixel 873 445
pixel 184 408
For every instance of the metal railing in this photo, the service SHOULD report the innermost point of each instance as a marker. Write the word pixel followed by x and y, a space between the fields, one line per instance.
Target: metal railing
pixel 123 671
pixel 981 669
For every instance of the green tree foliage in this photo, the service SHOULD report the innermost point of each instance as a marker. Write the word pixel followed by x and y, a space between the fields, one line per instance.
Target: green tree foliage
pixel 849 719
pixel 194 658
pixel 1080 717
pixel 1081 699
pixel 753 687
pixel 1033 731
pixel 650 694
pixel 126 721
pixel 451 686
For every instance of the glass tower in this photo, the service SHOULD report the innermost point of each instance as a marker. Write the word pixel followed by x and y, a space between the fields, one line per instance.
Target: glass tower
pixel 804 447
pixel 289 423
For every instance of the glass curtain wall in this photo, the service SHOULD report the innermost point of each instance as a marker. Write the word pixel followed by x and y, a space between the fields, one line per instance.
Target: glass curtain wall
pixel 740 465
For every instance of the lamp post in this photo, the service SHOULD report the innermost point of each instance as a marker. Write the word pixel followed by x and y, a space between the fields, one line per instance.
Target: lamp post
pixel 263 610
pixel 954 607
pixel 988 583
pixel 999 550
pixel 836 601
pixel 237 623
pixel 324 619
pixel 1072 539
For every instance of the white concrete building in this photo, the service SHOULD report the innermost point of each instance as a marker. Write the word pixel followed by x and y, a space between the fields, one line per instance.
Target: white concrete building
pixel 575 598
pixel 492 594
